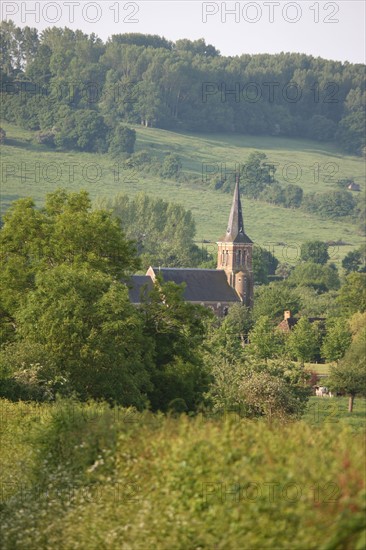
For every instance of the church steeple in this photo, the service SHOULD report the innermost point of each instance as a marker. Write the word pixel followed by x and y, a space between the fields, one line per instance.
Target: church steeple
pixel 235 252
pixel 235 229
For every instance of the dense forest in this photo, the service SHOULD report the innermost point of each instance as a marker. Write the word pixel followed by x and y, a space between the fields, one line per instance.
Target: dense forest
pixel 77 90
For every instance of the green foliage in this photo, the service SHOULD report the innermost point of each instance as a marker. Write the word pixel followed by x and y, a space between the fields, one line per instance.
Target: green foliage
pixel 349 375
pixel 177 329
pixel 82 130
pixel 2 136
pixel 274 299
pixel 265 340
pixel 163 231
pixel 337 339
pixel 86 324
pixel 321 128
pixel 292 196
pixel 352 295
pixel 264 264
pixel 269 396
pixel 256 174
pixel 64 231
pixel 28 372
pixel 303 342
pixel 226 341
pixel 335 204
pixel 123 141
pixel 351 132
pixel 320 277
pixel 167 76
pixel 88 471
pixel 171 166
pixel 314 251
pixel 252 388
pixel 353 261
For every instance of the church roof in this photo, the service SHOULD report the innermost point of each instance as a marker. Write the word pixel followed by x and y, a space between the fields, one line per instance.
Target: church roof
pixel 202 285
pixel 235 232
pixel 138 287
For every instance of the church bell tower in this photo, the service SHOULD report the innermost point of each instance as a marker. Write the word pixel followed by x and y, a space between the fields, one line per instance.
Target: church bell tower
pixel 235 250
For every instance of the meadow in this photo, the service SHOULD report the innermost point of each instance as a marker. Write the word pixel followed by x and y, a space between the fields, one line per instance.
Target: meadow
pixel 29 169
pixel 90 477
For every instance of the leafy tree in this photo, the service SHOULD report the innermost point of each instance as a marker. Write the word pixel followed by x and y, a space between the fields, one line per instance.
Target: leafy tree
pixel 335 204
pixel 352 295
pixel 320 277
pixel 251 388
pixel 264 264
pixel 303 342
pixel 274 299
pixel 352 261
pixel 270 396
pixel 164 232
pixel 228 340
pixel 139 39
pixel 322 128
pixel 84 320
pixel 177 329
pixel 28 372
pixel 314 251
pixel 64 231
pixel 256 174
pixel 123 141
pixel 284 270
pixel 83 130
pixel 337 339
pixel 349 375
pixel 171 166
pixel 265 340
pixel 292 196
pixel 2 136
pixel 351 133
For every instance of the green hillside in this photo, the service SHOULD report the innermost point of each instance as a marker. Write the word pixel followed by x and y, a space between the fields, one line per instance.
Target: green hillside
pixel 29 169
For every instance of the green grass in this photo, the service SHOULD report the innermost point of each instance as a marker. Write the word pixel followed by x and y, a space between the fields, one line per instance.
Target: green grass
pixel 319 368
pixel 266 224
pixel 333 411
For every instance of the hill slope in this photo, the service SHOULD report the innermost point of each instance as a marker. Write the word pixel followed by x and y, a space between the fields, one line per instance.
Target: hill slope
pixel 32 170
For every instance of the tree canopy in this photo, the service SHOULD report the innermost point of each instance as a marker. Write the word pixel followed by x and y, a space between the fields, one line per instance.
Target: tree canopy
pixel 143 78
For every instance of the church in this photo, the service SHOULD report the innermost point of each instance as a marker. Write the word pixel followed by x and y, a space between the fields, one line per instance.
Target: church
pixel 218 289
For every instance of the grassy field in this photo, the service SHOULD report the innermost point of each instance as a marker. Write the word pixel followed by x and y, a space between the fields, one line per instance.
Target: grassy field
pixel 89 477
pixel 319 368
pixel 32 170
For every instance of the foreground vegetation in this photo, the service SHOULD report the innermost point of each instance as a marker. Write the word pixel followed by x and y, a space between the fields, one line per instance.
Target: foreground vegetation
pixel 88 477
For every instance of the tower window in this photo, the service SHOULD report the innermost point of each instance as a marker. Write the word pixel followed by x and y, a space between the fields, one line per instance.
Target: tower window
pixel 238 257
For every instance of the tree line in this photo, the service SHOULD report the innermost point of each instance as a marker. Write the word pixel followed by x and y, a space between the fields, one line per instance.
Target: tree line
pixel 65 80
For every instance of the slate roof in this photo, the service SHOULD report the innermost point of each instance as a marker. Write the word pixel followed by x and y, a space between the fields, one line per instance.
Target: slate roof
pixel 235 232
pixel 202 285
pixel 138 286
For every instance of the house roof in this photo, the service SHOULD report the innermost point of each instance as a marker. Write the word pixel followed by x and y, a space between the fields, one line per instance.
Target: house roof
pixel 138 287
pixel 202 285
pixel 289 323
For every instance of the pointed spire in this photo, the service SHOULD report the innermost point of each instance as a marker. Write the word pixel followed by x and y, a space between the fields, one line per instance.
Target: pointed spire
pixel 235 230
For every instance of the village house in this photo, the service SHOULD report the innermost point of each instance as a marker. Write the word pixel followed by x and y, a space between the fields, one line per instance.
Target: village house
pixel 288 322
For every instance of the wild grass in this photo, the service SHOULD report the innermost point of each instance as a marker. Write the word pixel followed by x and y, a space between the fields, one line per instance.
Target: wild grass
pixel 107 478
